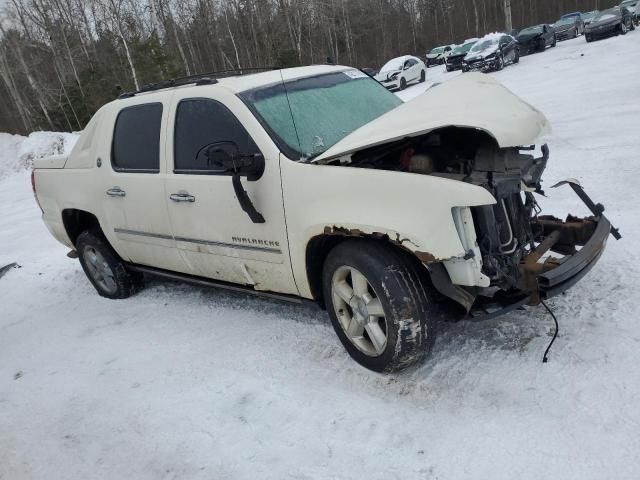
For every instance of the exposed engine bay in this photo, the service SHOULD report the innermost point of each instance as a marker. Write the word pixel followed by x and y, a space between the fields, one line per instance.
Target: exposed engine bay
pixel 512 237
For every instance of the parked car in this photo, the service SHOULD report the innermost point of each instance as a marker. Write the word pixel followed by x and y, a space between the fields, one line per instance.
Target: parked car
pixel 536 39
pixel 588 17
pixel 437 55
pixel 614 21
pixel 634 8
pixel 315 183
pixel 569 26
pixel 396 74
pixel 453 61
pixel 492 52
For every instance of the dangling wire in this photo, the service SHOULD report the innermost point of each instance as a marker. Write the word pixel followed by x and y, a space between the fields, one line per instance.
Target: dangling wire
pixel 555 335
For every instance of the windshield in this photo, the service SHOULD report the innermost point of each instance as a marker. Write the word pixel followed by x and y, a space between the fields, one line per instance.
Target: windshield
pixel 527 31
pixel 589 15
pixel 629 3
pixel 437 50
pixel 566 21
pixel 307 116
pixel 570 15
pixel 392 65
pixel 463 48
pixel 484 44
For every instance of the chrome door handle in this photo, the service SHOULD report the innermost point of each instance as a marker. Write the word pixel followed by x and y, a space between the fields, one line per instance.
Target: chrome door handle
pixel 116 192
pixel 182 197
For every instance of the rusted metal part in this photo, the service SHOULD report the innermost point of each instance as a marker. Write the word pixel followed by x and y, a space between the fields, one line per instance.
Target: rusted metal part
pixel 573 231
pixel 546 245
pixel 425 257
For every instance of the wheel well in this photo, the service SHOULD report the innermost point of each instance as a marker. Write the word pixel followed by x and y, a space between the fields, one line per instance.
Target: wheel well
pixel 318 250
pixel 77 221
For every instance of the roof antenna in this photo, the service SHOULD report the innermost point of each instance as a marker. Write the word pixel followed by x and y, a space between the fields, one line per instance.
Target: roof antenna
pixel 293 120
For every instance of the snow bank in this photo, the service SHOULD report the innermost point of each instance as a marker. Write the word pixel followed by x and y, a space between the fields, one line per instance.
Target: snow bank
pixel 18 153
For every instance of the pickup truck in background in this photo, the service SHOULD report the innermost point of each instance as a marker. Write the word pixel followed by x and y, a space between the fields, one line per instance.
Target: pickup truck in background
pixel 316 183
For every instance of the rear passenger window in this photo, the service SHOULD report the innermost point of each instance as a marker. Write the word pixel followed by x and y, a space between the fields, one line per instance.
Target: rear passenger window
pixel 136 139
pixel 201 123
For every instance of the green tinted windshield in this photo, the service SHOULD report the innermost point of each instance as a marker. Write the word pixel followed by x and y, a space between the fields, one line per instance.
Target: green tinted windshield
pixel 310 115
pixel 437 50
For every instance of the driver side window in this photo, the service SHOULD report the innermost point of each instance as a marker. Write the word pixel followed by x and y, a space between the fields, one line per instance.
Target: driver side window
pixel 200 123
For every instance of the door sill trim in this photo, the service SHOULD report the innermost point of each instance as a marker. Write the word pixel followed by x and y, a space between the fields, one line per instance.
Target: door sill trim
pixel 208 282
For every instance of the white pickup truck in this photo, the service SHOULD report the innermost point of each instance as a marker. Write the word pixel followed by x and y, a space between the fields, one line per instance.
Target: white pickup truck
pixel 317 183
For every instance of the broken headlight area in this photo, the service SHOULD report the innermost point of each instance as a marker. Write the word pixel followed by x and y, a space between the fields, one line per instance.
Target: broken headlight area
pixel 522 253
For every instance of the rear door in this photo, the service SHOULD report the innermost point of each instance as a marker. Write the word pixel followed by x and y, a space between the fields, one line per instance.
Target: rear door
pixel 131 171
pixel 215 237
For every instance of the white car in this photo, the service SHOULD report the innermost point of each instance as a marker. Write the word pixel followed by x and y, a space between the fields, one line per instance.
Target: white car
pixel 437 55
pixel 317 184
pixel 396 74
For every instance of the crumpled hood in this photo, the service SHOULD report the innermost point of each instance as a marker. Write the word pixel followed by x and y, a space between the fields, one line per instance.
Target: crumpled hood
pixel 381 76
pixel 433 55
pixel 605 20
pixel 471 100
pixel 563 28
pixel 471 56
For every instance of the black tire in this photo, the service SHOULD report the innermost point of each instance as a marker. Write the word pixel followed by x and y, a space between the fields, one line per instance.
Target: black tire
pixel 122 282
pixel 423 75
pixel 403 83
pixel 623 28
pixel 404 293
pixel 588 38
pixel 555 41
pixel 516 59
pixel 499 64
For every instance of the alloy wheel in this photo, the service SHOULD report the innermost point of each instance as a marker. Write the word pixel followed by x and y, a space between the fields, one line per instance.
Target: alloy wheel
pixel 359 311
pixel 99 270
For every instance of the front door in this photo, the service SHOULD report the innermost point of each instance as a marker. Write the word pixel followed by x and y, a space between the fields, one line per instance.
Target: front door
pixel 216 238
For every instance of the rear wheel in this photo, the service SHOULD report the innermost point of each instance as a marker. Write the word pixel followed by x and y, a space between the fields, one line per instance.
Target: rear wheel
pixel 379 304
pixel 104 268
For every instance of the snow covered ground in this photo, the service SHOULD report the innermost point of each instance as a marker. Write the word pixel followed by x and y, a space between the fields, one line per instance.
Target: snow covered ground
pixel 185 382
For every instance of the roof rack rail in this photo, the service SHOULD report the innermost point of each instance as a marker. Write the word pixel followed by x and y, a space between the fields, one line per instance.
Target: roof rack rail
pixel 209 78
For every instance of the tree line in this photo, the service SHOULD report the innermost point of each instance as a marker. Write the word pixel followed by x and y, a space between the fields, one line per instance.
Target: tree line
pixel 60 60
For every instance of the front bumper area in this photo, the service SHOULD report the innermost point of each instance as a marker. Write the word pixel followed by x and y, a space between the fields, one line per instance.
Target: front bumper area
pixel 480 65
pixel 565 34
pixel 391 84
pixel 603 31
pixel 548 278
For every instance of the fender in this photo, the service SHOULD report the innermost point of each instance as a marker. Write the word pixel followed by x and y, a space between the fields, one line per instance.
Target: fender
pixel 412 210
pixel 472 100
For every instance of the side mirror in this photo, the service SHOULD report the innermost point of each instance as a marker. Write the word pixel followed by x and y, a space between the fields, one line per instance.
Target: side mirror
pixel 225 157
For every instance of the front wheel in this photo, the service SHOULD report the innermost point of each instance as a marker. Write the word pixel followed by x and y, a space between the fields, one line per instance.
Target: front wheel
pixel 516 59
pixel 403 83
pixel 623 28
pixel 588 38
pixel 499 63
pixel 423 75
pixel 379 303
pixel 104 268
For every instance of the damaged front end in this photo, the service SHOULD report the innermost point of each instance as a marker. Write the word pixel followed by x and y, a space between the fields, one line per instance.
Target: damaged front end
pixel 527 256
pixel 522 256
